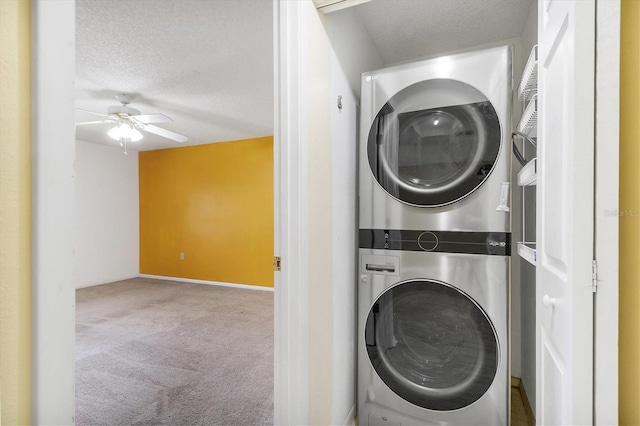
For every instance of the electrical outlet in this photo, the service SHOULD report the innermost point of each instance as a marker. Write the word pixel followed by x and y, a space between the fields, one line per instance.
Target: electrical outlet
pixel 181 256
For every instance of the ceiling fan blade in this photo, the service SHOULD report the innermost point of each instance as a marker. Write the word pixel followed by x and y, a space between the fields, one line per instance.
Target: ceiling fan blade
pixel 165 133
pixel 152 118
pixel 93 112
pixel 95 122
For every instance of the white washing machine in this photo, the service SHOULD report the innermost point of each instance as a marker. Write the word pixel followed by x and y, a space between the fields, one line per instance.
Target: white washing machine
pixel 433 328
pixel 435 137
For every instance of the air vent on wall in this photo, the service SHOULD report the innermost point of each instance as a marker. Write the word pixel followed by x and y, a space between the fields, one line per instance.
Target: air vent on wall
pixel 327 6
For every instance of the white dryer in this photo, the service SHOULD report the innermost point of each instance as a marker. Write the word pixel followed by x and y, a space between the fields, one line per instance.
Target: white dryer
pixel 435 139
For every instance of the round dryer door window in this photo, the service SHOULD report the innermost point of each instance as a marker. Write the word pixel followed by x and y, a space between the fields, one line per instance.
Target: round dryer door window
pixel 434 142
pixel 432 345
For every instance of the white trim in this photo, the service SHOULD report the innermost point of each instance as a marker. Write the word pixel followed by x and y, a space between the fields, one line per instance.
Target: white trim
pixel 607 176
pixel 328 6
pixel 216 283
pixel 350 419
pixel 54 212
pixel 129 277
pixel 291 322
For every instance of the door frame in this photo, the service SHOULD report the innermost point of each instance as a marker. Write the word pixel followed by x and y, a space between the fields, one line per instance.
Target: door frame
pixel 291 340
pixel 53 312
pixel 607 173
pixel 606 91
pixel 53 220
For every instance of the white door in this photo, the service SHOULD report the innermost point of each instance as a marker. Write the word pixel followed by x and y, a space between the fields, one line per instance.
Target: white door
pixel 564 304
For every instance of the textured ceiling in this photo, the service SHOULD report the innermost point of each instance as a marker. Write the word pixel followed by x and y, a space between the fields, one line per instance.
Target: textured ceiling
pixel 411 29
pixel 208 64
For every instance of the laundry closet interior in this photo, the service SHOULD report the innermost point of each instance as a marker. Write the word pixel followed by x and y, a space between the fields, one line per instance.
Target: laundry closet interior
pixel 461 31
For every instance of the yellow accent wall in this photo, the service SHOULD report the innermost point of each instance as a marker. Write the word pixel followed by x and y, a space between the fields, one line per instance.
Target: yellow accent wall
pixel 629 358
pixel 15 211
pixel 214 203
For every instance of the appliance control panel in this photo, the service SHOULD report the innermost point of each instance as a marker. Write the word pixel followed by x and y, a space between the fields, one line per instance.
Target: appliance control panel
pixel 489 243
pixel 379 265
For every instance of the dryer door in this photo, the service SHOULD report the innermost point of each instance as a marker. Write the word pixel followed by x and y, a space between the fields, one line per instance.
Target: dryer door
pixel 434 142
pixel 432 345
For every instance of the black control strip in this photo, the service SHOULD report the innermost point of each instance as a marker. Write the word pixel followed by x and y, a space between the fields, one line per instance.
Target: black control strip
pixel 491 243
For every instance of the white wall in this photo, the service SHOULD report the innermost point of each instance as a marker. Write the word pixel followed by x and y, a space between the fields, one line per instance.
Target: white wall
pixel 352 54
pixel 527 273
pixel 520 55
pixel 343 245
pixel 320 183
pixel 317 212
pixel 107 233
pixel 353 49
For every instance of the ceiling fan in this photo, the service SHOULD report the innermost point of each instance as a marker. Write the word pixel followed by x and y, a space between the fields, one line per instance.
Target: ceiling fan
pixel 128 123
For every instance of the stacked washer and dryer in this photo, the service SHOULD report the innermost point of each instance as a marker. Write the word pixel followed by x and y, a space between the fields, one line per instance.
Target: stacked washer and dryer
pixel 434 242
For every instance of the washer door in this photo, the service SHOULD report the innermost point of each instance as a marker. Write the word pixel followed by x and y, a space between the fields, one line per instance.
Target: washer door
pixel 434 142
pixel 432 345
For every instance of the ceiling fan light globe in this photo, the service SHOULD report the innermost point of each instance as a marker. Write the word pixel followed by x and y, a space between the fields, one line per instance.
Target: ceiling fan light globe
pixel 116 132
pixel 135 135
pixel 125 131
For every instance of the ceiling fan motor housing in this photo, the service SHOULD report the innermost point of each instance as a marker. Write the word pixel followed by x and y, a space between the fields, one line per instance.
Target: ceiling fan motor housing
pixel 123 109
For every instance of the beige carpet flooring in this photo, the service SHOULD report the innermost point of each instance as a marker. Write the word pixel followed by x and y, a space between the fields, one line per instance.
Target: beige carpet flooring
pixel 151 352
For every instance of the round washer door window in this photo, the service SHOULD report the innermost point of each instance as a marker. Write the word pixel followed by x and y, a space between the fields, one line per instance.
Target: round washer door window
pixel 432 345
pixel 434 142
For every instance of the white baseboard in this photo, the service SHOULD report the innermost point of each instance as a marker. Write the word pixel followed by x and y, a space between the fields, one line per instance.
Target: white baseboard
pixel 106 282
pixel 349 421
pixel 217 283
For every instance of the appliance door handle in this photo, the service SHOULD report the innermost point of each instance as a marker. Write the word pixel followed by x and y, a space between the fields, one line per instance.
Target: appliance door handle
pixel 380 268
